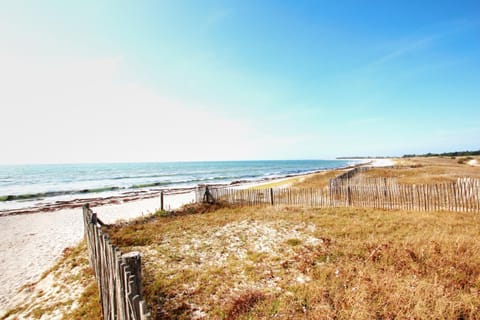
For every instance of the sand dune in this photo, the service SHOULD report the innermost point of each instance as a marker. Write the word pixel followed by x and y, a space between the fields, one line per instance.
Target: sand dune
pixel 32 242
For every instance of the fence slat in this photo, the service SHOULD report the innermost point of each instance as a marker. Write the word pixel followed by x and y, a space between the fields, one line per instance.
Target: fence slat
pixel 119 284
pixel 462 196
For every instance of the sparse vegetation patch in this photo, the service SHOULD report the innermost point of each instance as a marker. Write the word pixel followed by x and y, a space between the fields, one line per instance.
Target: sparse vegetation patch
pixel 285 263
pixel 432 170
pixel 66 291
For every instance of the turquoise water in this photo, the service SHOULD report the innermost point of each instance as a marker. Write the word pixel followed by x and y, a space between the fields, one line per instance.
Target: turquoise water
pixel 25 185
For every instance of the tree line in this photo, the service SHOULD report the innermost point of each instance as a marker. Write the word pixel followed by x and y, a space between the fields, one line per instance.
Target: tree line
pixel 445 154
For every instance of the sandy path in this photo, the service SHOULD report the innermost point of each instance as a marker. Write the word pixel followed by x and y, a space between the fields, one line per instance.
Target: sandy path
pixel 31 243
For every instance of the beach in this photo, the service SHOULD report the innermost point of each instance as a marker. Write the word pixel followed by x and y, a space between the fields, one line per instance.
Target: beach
pixel 33 242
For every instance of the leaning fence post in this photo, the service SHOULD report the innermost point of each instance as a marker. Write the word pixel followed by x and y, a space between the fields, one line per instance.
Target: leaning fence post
pixel 161 201
pixel 208 197
pixel 94 219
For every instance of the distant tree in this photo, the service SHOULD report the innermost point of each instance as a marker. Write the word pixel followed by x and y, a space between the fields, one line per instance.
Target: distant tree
pixel 445 154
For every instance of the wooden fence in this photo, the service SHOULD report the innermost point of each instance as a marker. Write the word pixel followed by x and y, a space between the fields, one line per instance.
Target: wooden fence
pixel 461 196
pixel 347 175
pixel 118 275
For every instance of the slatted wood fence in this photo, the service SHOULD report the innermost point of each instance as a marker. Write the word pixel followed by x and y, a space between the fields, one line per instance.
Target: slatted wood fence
pixel 118 275
pixel 380 193
pixel 349 174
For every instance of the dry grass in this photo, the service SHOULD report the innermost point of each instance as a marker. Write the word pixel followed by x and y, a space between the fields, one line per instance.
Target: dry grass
pixel 282 183
pixel 318 180
pixel 427 170
pixel 420 170
pixel 67 291
pixel 284 263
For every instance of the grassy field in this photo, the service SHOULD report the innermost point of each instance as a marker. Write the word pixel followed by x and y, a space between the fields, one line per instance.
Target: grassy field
pixel 428 170
pixel 284 263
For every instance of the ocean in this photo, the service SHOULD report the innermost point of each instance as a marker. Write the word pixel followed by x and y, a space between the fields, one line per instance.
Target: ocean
pixel 23 186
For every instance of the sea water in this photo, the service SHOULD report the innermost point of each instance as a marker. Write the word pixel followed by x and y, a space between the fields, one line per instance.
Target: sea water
pixel 26 185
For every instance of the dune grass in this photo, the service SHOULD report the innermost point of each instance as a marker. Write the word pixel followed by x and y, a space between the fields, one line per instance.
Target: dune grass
pixel 427 170
pixel 67 290
pixel 294 263
pixel 282 183
pixel 317 180
pixel 320 179
pixel 422 170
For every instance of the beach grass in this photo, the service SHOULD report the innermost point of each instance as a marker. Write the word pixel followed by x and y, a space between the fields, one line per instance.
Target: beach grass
pixel 281 183
pixel 67 290
pixel 419 170
pixel 318 180
pixel 429 170
pixel 231 262
pixel 306 263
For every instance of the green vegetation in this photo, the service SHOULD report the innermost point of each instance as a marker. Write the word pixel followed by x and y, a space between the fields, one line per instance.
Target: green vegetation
pixel 294 242
pixel 445 154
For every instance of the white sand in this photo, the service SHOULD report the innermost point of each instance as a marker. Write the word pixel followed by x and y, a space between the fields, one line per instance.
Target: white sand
pixel 382 163
pixel 31 243
pixel 473 163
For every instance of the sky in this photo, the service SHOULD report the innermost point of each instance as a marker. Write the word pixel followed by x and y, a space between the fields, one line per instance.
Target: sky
pixel 121 81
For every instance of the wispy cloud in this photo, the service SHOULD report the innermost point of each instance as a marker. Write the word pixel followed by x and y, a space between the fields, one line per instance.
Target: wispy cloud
pixel 416 43
pixel 408 47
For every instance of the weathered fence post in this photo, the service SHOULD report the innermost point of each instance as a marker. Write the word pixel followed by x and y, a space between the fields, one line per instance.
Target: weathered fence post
pixel 208 197
pixel 161 200
pixel 118 276
pixel 349 195
pixel 134 261
pixel 271 196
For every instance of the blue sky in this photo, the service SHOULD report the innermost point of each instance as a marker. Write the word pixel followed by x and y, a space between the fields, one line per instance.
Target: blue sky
pixel 93 81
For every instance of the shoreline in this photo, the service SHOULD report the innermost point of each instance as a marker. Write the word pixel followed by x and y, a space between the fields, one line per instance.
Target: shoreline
pixel 38 240
pixel 31 243
pixel 152 193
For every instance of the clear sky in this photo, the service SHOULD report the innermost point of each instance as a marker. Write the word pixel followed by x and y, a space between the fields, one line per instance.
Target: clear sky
pixel 102 81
